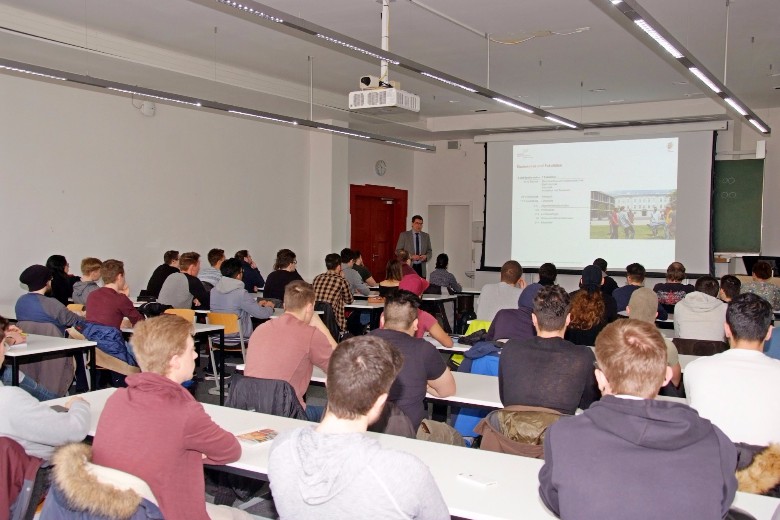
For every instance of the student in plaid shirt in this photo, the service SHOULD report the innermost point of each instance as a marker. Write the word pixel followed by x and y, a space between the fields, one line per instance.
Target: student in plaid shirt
pixel 332 287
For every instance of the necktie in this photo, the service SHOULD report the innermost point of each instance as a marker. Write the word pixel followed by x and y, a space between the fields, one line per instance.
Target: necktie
pixel 417 243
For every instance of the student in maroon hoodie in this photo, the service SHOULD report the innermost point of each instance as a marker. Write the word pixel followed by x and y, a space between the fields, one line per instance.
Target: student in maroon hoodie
pixel 155 430
pixel 629 456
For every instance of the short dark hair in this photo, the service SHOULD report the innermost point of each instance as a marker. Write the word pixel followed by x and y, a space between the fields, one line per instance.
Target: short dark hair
pixel 170 256
pixel 601 264
pixel 188 259
pixel 401 309
pixel 730 285
pixel 57 263
pixel 442 261
pixel 356 254
pixel 675 272
pixel 708 285
pixel 636 272
pixel 241 254
pixel 347 255
pixel 761 270
pixel 551 306
pixel 749 317
pixel 511 271
pixel 215 255
pixel 416 217
pixel 284 257
pixel 111 269
pixel 231 267
pixel 548 272
pixel 332 261
pixel 360 370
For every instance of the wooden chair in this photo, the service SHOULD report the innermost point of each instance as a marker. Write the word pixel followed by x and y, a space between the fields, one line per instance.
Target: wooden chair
pixel 103 361
pixel 187 314
pixel 232 326
pixel 76 307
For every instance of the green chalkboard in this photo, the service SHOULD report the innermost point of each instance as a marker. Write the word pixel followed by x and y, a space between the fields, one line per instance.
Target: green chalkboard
pixel 736 206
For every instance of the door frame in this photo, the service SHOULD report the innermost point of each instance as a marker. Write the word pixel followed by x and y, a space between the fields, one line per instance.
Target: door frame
pixel 399 197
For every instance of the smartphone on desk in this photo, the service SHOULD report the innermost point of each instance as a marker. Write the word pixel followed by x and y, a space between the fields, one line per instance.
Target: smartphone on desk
pixel 59 408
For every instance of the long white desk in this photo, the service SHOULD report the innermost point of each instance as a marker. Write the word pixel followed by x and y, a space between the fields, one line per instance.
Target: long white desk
pixel 514 496
pixel 40 347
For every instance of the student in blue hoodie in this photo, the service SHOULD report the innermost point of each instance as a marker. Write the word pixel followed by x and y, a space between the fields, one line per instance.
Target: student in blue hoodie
pixel 630 456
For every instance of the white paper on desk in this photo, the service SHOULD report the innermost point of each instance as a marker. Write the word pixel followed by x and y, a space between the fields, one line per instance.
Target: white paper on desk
pixel 17 346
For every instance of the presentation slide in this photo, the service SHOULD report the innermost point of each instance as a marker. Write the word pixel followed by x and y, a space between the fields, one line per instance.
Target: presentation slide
pixel 594 196
pixel 637 198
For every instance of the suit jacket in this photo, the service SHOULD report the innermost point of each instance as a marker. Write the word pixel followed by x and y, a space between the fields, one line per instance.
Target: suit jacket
pixel 406 241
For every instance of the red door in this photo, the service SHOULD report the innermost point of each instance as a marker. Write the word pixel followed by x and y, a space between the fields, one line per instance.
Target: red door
pixel 378 215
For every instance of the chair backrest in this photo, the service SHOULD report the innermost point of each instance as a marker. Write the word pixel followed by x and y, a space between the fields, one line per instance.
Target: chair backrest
pixel 328 318
pixel 517 430
pixel 433 289
pixel 393 421
pixel 271 396
pixel 76 307
pixel 226 319
pixel 187 314
pixel 699 347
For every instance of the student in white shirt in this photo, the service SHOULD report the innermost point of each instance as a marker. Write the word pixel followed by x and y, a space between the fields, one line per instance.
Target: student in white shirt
pixel 501 295
pixel 738 389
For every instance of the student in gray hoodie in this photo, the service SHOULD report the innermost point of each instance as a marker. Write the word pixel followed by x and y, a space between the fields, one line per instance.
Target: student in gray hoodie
pixel 333 470
pixel 230 296
pixel 90 274
pixel 630 456
pixel 701 315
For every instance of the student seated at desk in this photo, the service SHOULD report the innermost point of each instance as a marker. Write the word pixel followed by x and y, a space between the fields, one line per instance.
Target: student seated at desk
pixel 635 278
pixel 183 290
pixel 762 273
pixel 36 307
pixel 547 370
pixel 230 296
pixel 90 274
pixel 629 456
pixel 591 309
pixel 362 270
pixel 333 288
pixel 393 277
pixel 284 272
pixel 730 287
pixel 289 347
pixel 416 285
pixel 516 323
pixel 423 368
pixel 253 280
pixel 62 281
pixel 738 389
pixel 35 425
pixel 501 295
pixel 673 290
pixel 211 274
pixel 442 277
pixel 14 336
pixel 701 315
pixel 154 429
pixel 643 306
pixel 109 305
pixel 356 283
pixel 161 273
pixel 334 471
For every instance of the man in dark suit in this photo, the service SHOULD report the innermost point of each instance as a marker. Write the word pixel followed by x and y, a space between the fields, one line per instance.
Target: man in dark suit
pixel 417 243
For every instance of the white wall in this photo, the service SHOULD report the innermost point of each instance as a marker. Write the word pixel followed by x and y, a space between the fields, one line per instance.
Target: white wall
pixel 85 174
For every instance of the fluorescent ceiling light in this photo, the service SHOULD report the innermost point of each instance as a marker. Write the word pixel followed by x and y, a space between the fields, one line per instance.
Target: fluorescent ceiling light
pixel 658 38
pixel 135 93
pixel 351 134
pixel 735 106
pixel 263 117
pixel 758 125
pixel 408 145
pixel 359 49
pixel 448 82
pixel 513 105
pixel 251 10
pixel 33 73
pixel 704 79
pixel 556 120
pixel 616 2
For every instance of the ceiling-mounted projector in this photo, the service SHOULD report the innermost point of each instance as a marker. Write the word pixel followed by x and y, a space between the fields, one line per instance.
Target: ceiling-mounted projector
pixel 383 101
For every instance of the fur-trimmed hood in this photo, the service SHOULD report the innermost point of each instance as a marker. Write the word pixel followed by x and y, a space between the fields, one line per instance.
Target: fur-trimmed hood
pixel 762 476
pixel 83 487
